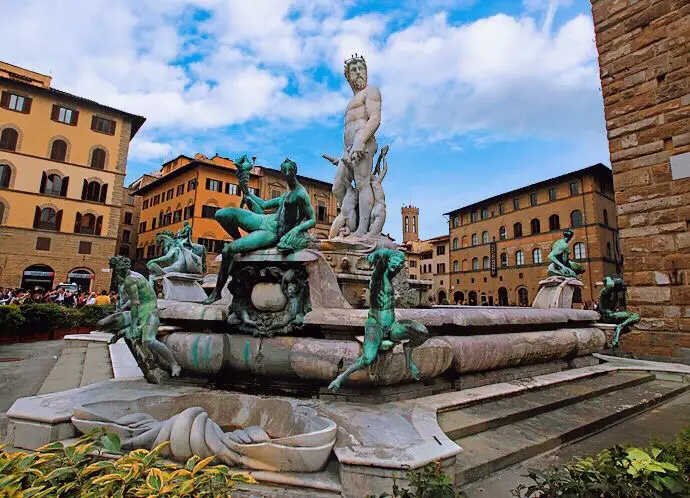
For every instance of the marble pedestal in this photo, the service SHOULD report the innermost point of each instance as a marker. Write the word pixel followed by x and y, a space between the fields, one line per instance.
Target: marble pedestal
pixel 183 287
pixel 556 292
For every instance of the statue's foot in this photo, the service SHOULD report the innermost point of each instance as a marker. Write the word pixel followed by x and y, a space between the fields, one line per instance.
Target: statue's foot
pixel 334 386
pixel 386 345
pixel 416 374
pixel 176 369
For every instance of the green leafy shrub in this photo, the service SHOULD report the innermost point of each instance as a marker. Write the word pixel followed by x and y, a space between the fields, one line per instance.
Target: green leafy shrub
pixel 11 320
pixel 79 470
pixel 618 472
pixel 47 317
pixel 429 482
pixel 90 315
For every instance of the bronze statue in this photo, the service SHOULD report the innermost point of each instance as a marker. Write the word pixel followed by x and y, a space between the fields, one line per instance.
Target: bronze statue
pixel 608 308
pixel 136 317
pixel 180 254
pixel 382 330
pixel 561 264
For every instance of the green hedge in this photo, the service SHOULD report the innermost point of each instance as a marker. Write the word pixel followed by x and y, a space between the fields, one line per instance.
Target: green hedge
pixel 36 318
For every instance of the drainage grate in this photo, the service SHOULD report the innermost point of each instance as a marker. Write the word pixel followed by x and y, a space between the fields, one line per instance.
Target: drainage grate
pixel 7 360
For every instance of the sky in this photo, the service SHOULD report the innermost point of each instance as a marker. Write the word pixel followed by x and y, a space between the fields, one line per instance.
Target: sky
pixel 479 97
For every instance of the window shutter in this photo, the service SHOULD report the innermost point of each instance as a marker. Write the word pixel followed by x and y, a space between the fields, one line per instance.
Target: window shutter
pixel 37 216
pixel 27 105
pixel 99 225
pixel 77 223
pixel 112 127
pixel 55 113
pixel 44 177
pixel 104 192
pixel 5 100
pixel 63 189
pixel 84 190
pixel 93 122
pixel 58 220
pixel 75 118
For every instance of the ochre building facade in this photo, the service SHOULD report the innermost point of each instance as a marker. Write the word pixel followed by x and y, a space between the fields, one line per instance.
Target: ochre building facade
pixel 499 247
pixel 644 60
pixel 193 189
pixel 63 160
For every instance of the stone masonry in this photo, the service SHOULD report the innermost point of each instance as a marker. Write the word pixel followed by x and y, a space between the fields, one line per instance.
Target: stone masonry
pixel 644 59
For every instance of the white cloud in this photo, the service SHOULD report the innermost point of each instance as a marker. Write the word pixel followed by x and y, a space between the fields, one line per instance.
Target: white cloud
pixel 146 150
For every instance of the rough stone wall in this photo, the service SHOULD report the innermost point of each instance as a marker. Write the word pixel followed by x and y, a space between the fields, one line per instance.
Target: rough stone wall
pixel 644 59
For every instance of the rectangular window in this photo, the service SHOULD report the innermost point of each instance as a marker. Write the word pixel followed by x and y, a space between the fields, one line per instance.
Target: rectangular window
pixel 150 251
pixel 180 189
pixel 191 185
pixel 321 213
pixel 14 102
pixel 84 247
pixel 441 268
pixel 574 188
pixel 130 200
pixel 533 199
pixel 516 203
pixel 501 208
pixel 413 264
pixel 125 235
pixel 232 189
pixel 64 115
pixel 440 250
pixel 102 125
pixel 474 216
pixel 153 224
pixel 412 277
pixel 177 216
pixel 456 221
pixel 208 211
pixel 485 213
pixel 214 185
pixel 128 218
pixel 140 253
pixel 146 204
pixel 43 243
pixel 156 199
pixel 188 212
pixel 171 193
pixel 142 226
pixel 552 194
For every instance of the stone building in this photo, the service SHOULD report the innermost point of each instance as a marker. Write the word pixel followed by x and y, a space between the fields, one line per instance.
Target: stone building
pixel 426 260
pixel 499 246
pixel 193 189
pixel 644 56
pixel 63 160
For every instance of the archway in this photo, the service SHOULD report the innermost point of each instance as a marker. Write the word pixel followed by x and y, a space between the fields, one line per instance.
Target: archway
pixel 38 276
pixel 458 297
pixel 523 297
pixel 82 277
pixel 441 296
pixel 502 296
pixel 472 298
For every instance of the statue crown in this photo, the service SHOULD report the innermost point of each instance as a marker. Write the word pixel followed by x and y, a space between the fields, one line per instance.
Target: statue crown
pixel 355 58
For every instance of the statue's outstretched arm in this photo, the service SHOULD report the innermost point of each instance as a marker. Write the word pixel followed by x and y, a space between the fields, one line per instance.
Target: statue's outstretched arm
pixel 264 205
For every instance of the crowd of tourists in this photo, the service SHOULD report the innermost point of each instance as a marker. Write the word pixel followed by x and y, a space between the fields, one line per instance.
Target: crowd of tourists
pixel 60 296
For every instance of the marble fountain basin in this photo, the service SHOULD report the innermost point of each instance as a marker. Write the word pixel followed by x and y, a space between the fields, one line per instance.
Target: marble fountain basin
pixel 239 429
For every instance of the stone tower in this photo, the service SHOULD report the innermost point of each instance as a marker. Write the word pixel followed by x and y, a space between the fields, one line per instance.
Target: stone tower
pixel 410 223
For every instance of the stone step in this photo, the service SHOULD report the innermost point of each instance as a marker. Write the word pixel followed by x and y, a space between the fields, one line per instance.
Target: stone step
pixel 481 417
pixel 81 363
pixel 494 449
pixel 97 367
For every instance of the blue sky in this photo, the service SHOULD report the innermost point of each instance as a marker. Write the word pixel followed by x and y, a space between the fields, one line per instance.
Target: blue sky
pixel 479 97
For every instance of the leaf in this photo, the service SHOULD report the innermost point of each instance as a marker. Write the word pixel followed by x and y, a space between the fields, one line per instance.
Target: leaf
pixel 148 459
pixel 652 467
pixel 243 477
pixel 202 464
pixel 668 466
pixel 671 484
pixel 656 452
pixel 96 467
pixel 108 478
pixel 180 473
pixel 656 485
pixel 192 462
pixel 57 445
pixel 153 481
pixel 111 443
pixel 58 473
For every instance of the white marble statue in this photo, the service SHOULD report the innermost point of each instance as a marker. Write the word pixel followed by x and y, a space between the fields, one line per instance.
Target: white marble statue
pixel 362 119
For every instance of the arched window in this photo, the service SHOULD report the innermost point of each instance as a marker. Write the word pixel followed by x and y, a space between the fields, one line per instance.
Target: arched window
pixel 523 297
pixel 472 298
pixel 464 241
pixel 519 258
pixel 475 263
pixel 414 224
pixel 47 219
pixel 502 296
pixel 475 240
pixel 465 265
pixel 2 212
pixel 98 159
pixel 606 218
pixel 517 230
pixel 608 249
pixel 458 297
pixel 485 237
pixel 502 233
pixel 504 259
pixel 535 226
pixel 536 256
pixel 58 151
pixel 88 224
pixel 407 224
pixel 456 265
pixel 53 185
pixel 485 262
pixel 94 191
pixel 579 251
pixel 5 175
pixel 576 218
pixel 455 243
pixel 9 139
pixel 554 222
